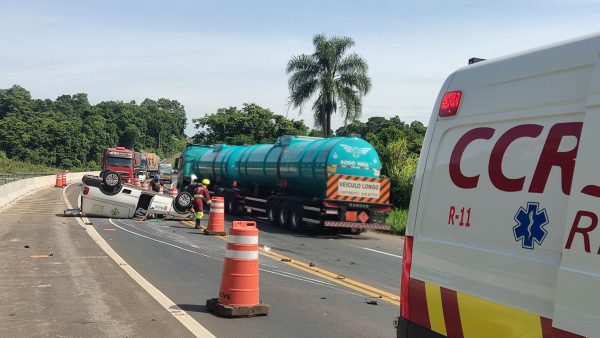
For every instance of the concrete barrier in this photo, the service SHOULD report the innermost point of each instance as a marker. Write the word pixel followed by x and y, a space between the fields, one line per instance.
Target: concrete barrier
pixel 12 191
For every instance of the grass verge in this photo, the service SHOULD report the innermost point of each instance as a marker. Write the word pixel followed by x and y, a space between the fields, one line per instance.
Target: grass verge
pixel 397 220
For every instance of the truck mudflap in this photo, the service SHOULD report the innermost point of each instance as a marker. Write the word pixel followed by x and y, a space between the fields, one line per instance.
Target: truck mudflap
pixel 355 225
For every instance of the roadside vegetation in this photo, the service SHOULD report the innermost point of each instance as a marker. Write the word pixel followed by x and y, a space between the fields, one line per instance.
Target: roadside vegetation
pixel 397 220
pixel 13 166
pixel 71 133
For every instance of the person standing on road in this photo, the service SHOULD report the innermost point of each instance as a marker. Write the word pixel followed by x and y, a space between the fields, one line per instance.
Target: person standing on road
pixel 155 183
pixel 201 194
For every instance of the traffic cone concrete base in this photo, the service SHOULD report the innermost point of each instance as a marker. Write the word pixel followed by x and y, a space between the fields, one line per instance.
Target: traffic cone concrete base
pixel 230 311
pixel 214 232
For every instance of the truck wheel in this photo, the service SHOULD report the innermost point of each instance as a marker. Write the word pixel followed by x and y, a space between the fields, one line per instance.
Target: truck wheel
pixel 284 213
pixel 273 211
pixel 111 179
pixel 232 205
pixel 296 216
pixel 183 202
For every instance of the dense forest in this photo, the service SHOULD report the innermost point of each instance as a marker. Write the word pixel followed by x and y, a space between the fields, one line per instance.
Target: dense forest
pixel 397 143
pixel 71 133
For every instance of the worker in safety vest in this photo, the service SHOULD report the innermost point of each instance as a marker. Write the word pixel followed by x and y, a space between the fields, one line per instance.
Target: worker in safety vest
pixel 201 194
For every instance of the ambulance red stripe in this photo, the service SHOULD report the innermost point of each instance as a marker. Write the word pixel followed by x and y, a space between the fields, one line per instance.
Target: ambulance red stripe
pixel 451 313
pixel 418 303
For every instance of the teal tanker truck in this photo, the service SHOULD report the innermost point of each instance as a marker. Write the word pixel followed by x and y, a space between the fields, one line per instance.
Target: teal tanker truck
pixel 297 182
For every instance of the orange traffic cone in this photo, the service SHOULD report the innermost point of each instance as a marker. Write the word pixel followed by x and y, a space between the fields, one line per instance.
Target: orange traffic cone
pixel 145 186
pixel 239 292
pixel 136 181
pixel 216 217
pixel 64 179
pixel 58 180
pixel 173 192
pixel 160 190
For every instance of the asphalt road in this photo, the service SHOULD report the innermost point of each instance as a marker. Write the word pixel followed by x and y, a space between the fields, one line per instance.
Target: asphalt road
pixel 55 281
pixel 186 266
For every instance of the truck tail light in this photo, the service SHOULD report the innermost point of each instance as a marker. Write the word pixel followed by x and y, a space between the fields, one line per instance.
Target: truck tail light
pixel 406 263
pixel 86 190
pixel 385 208
pixel 330 205
pixel 450 103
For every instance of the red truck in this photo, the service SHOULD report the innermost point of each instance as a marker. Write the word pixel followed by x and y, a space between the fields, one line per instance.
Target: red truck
pixel 120 160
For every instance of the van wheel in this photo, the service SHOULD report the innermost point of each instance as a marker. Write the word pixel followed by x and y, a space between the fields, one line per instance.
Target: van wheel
pixel 296 216
pixel 183 202
pixel 111 179
pixel 273 211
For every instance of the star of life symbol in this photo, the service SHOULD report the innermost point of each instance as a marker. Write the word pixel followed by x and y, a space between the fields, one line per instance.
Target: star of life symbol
pixel 356 152
pixel 530 225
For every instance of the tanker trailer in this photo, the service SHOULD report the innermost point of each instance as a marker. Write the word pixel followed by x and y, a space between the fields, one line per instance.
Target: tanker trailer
pixel 301 181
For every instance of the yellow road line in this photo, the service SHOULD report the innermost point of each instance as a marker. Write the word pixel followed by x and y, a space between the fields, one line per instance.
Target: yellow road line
pixel 328 275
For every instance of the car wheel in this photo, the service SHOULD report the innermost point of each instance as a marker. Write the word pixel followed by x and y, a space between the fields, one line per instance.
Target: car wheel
pixel 296 216
pixel 183 202
pixel 111 179
pixel 273 211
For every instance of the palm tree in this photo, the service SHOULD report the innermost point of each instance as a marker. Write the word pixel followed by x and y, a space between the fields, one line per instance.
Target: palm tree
pixel 340 81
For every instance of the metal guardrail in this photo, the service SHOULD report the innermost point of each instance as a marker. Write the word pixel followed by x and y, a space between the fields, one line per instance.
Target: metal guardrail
pixel 11 177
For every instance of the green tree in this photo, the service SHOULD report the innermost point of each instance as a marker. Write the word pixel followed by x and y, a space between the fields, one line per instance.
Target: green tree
pixel 339 81
pixel 398 145
pixel 251 124
pixel 69 132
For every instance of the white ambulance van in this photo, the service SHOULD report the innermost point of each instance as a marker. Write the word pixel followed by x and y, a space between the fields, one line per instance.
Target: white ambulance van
pixel 502 236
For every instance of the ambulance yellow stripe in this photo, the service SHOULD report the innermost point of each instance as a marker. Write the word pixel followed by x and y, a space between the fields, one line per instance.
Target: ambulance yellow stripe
pixel 480 316
pixel 434 306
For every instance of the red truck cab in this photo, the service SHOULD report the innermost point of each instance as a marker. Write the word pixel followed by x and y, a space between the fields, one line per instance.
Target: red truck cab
pixel 120 160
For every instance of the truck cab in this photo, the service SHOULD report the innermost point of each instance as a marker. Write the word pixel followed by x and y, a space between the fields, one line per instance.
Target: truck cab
pixel 121 161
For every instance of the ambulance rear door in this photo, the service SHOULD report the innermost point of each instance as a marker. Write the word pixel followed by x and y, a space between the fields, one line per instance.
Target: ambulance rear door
pixel 577 305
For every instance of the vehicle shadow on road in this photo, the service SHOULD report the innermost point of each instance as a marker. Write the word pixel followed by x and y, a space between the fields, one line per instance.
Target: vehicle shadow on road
pixel 322 233
pixel 179 226
pixel 193 307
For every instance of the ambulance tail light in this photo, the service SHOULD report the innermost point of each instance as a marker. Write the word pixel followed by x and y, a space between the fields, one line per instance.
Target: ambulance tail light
pixel 450 103
pixel 86 190
pixel 406 263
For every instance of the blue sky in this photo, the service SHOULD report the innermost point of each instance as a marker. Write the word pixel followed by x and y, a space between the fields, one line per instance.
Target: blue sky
pixel 211 54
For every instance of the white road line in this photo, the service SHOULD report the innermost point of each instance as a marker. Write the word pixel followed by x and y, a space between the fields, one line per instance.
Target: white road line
pixel 279 273
pixel 162 242
pixel 183 317
pixel 382 252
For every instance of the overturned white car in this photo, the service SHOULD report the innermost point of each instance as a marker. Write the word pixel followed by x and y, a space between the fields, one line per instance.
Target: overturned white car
pixel 106 196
